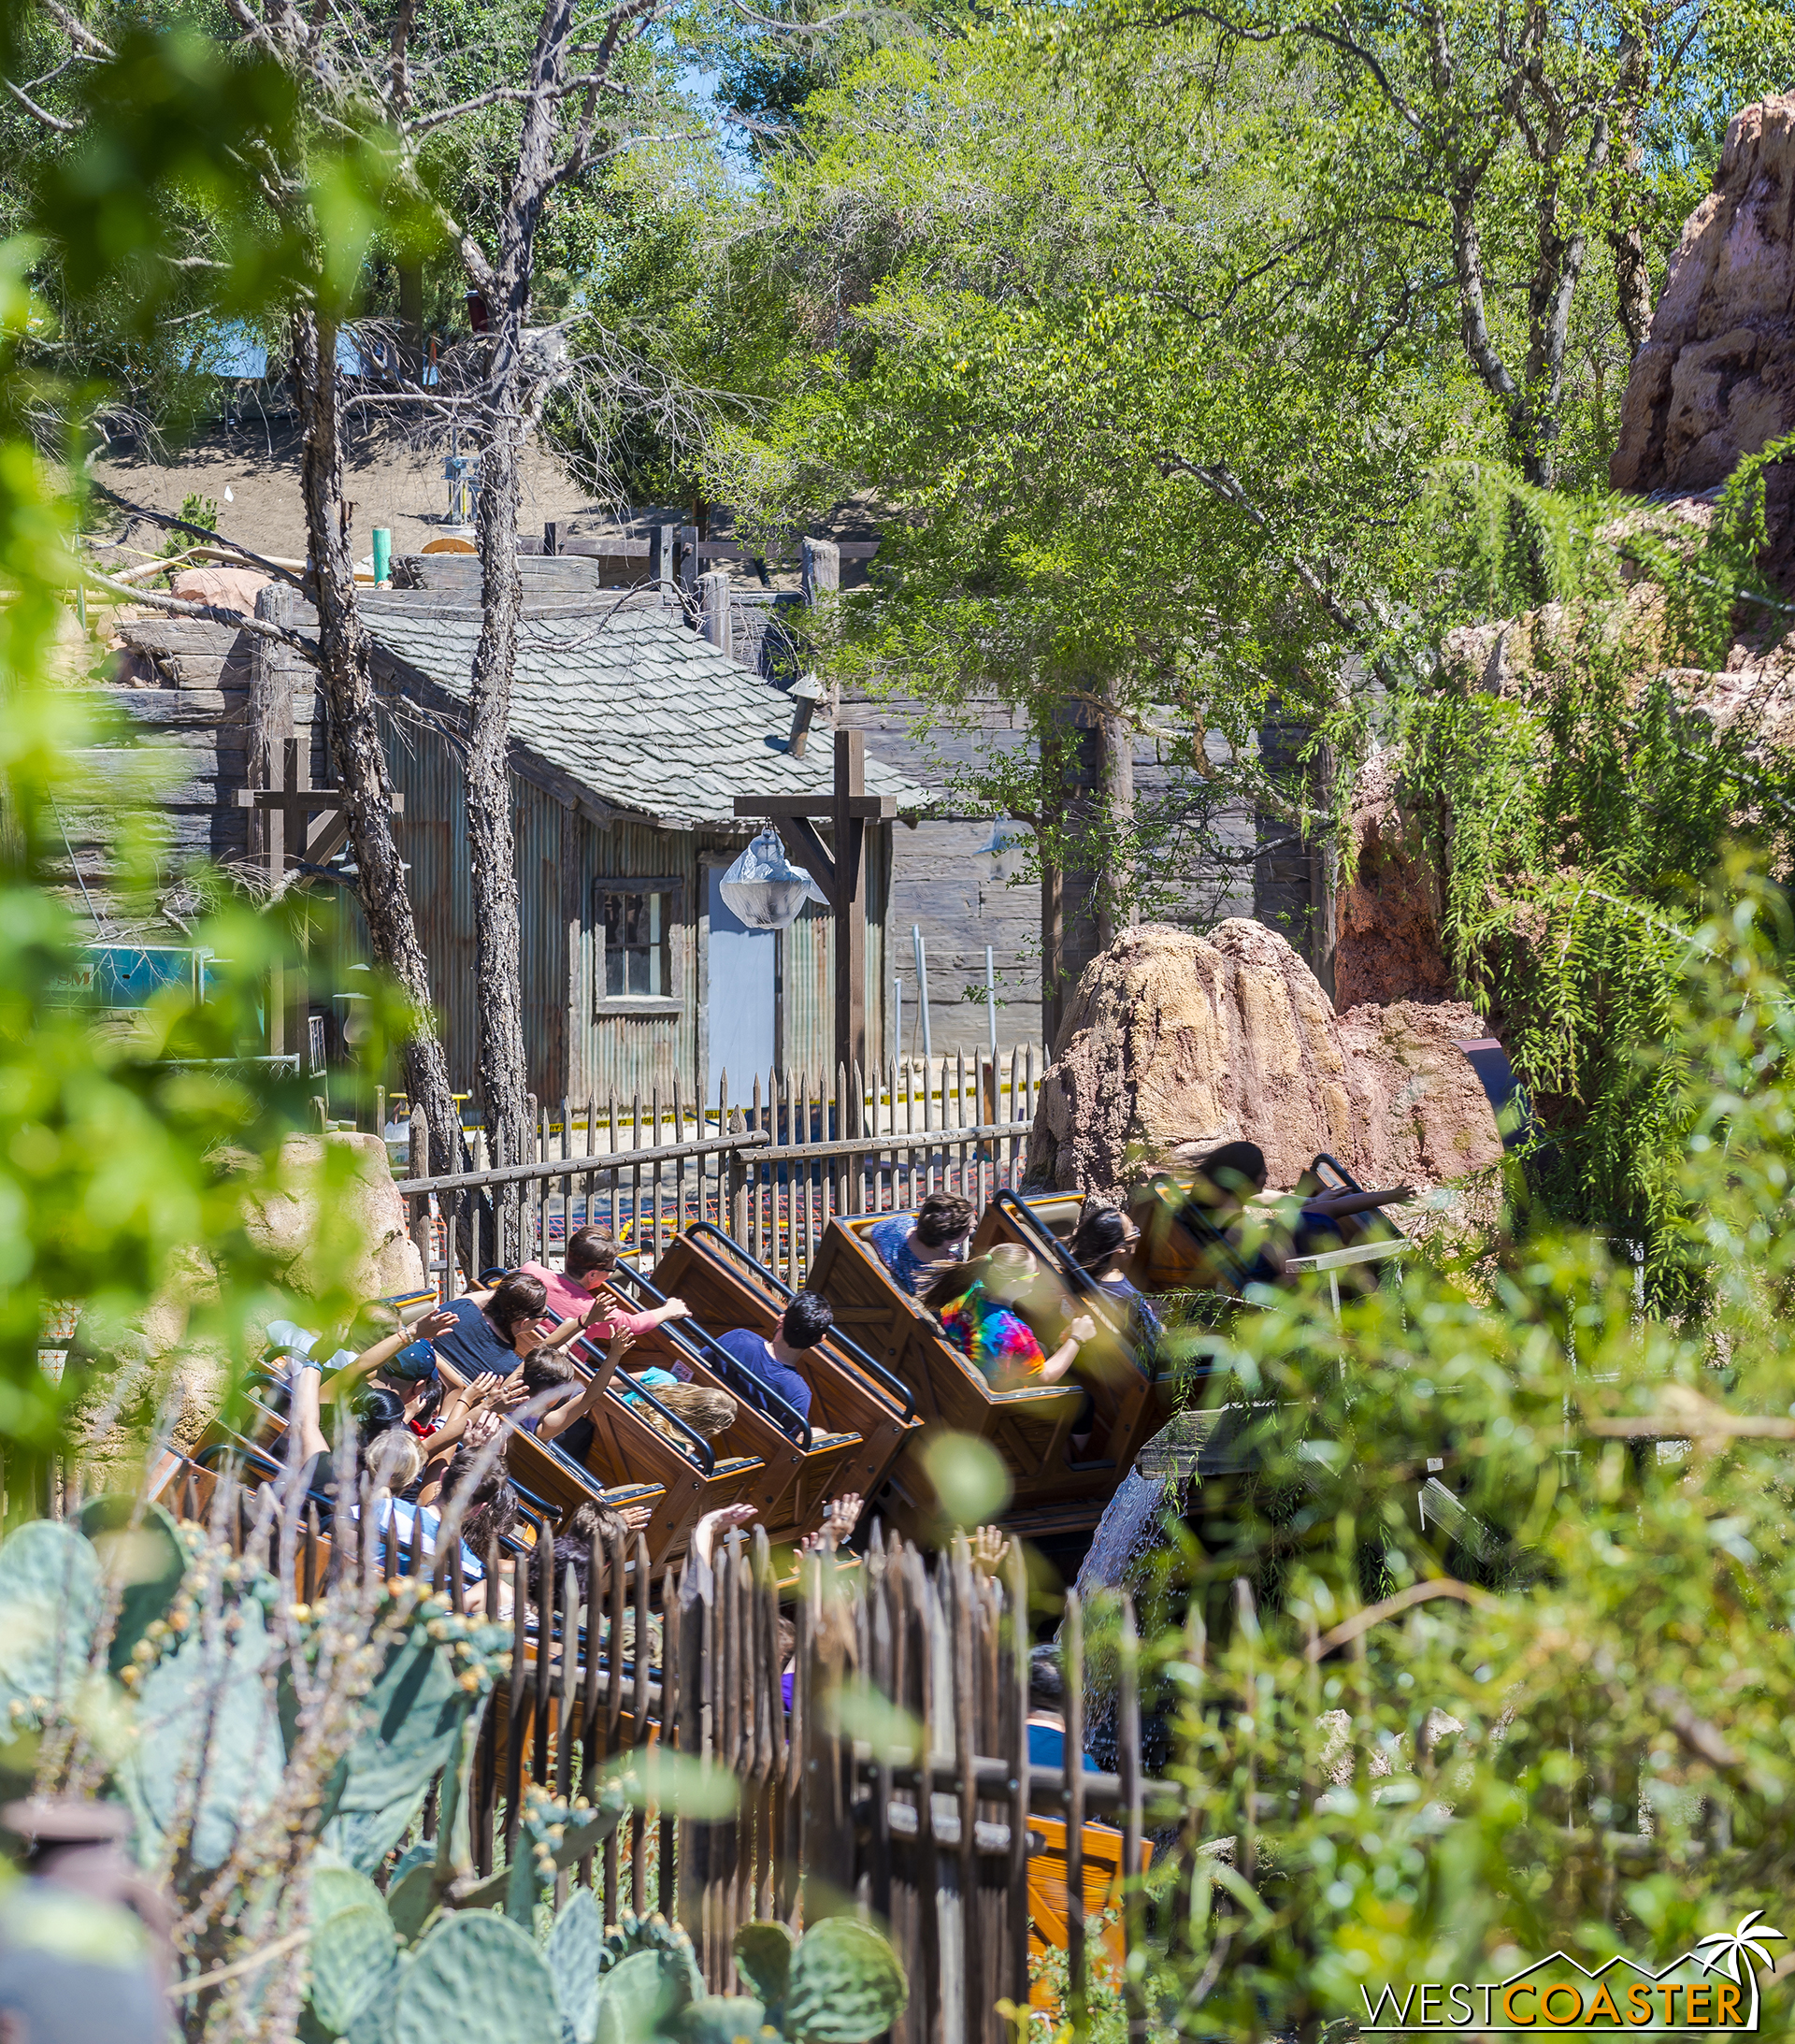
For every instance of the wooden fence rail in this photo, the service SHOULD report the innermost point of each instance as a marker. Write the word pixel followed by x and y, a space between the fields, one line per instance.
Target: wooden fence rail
pixel 891 1779
pixel 798 1150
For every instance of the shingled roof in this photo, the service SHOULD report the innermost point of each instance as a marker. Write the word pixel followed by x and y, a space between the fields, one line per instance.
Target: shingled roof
pixel 628 702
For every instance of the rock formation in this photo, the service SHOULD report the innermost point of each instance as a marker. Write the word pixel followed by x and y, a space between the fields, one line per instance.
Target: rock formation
pixel 1171 1036
pixel 361 1240
pixel 1716 378
pixel 1386 941
pixel 338 1215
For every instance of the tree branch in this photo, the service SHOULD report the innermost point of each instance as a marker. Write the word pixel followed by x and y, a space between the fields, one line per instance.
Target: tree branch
pixel 76 29
pixel 1404 1600
pixel 1221 483
pixel 209 614
pixel 42 114
pixel 204 533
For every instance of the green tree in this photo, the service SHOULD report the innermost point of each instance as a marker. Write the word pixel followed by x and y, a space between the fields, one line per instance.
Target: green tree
pixel 1448 1724
pixel 1522 144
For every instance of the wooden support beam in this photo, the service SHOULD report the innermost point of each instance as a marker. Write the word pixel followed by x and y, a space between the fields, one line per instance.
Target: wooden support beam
pixel 866 808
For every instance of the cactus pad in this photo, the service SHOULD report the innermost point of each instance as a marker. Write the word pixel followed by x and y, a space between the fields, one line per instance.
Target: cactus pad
pixel 206 1721
pixel 145 1560
pixel 764 1959
pixel 353 1957
pixel 573 1951
pixel 640 1995
pixel 846 1984
pixel 50 1599
pixel 412 1729
pixel 477 1980
pixel 723 2018
pixel 636 1933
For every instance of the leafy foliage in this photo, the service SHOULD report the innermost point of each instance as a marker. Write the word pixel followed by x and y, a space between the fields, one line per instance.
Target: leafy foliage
pixel 1575 808
pixel 1432 1726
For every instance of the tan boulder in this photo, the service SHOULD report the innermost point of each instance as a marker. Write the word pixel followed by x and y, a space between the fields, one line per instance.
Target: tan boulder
pixel 1173 1037
pixel 223 589
pixel 1715 379
pixel 338 1215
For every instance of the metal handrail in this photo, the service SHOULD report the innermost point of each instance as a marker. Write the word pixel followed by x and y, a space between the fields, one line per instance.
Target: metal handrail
pixel 1058 1252
pixel 884 1378
pixel 706 1456
pixel 580 1167
pixel 688 1333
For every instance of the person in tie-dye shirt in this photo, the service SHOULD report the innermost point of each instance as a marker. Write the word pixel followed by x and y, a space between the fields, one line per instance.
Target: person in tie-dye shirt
pixel 985 1325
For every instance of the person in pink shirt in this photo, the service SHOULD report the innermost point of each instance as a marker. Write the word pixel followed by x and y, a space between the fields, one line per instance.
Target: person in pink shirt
pixel 581 1296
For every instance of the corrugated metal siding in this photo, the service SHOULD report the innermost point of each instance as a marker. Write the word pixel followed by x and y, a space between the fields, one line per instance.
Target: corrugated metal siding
pixel 574 1052
pixel 807 966
pixel 433 841
pixel 628 1054
pixel 538 821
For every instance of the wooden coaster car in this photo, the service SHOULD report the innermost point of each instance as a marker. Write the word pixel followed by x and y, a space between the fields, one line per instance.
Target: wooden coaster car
pixel 861 1414
pixel 668 1464
pixel 1050 1892
pixel 1180 1249
pixel 1029 1424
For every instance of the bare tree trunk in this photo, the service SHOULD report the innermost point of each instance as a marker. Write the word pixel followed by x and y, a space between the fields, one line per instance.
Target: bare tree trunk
pixel 355 746
pixel 1632 276
pixel 509 402
pixel 498 936
pixel 1115 904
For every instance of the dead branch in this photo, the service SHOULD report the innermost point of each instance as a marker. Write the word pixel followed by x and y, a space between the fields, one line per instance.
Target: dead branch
pixel 1374 1614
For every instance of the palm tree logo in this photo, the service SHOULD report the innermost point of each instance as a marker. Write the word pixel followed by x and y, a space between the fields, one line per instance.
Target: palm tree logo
pixel 1719 1952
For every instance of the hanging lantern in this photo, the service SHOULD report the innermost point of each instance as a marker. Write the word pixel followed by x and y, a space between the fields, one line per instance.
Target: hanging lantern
pixel 763 888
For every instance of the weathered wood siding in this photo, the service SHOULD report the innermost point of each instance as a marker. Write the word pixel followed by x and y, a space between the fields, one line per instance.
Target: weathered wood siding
pixel 943 883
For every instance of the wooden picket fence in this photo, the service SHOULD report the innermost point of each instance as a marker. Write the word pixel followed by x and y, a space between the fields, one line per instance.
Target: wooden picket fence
pixel 895 1782
pixel 780 1164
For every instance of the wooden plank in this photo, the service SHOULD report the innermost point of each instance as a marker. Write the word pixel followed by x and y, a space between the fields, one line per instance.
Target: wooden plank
pixel 863 808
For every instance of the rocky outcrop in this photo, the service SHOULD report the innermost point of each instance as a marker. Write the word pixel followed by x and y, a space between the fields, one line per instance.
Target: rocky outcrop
pixel 223 589
pixel 1386 941
pixel 337 1217
pixel 1173 1038
pixel 1716 378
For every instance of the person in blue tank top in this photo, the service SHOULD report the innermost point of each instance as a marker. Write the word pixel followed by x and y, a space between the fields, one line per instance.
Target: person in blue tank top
pixel 1047 1712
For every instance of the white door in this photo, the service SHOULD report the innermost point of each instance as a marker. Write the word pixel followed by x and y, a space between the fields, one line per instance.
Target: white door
pixel 738 997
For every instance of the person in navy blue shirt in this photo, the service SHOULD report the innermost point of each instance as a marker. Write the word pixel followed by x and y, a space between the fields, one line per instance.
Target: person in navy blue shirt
pixel 775 1364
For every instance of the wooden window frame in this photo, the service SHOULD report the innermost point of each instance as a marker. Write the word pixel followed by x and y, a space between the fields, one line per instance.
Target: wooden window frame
pixel 644 1007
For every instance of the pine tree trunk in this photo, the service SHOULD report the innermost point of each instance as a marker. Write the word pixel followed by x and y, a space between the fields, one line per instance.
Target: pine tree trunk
pixel 356 752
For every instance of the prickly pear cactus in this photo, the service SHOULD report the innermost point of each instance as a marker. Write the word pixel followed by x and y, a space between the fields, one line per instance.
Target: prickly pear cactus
pixel 641 1995
pixel 52 1598
pixel 208 1753
pixel 478 1980
pixel 354 1961
pixel 143 1555
pixel 634 1934
pixel 441 1671
pixel 764 1960
pixel 723 2018
pixel 845 1986
pixel 572 1951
